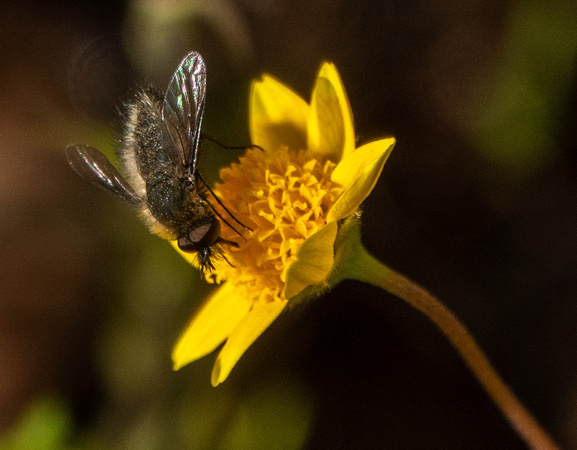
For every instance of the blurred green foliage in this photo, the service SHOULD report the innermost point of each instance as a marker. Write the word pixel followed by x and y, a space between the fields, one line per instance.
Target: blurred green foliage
pixel 276 416
pixel 523 109
pixel 46 424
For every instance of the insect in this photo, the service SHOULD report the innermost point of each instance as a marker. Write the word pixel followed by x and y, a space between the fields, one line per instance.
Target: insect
pixel 159 153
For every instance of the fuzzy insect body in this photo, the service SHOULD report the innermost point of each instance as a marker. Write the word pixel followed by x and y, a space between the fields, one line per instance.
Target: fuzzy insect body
pixel 159 152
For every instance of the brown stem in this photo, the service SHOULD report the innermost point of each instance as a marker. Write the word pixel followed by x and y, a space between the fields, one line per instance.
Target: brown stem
pixel 370 270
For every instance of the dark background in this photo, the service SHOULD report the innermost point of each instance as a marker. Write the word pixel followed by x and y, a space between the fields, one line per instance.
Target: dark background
pixel 477 203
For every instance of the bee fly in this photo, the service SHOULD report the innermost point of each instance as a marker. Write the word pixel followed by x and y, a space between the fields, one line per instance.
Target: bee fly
pixel 159 152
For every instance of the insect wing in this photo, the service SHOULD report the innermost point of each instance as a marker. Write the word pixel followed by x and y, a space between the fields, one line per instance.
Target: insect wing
pixel 183 108
pixel 92 165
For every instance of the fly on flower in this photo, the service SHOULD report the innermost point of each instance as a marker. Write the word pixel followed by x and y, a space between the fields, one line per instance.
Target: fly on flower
pixel 294 195
pixel 160 151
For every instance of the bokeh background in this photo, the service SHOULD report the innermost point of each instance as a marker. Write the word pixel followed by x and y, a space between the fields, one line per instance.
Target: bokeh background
pixel 477 203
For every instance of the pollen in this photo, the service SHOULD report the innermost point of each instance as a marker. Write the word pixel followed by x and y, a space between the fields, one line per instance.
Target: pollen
pixel 281 197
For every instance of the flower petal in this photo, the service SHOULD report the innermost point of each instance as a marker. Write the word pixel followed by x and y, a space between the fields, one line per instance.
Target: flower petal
pixel 330 132
pixel 358 173
pixel 211 325
pixel 351 168
pixel 191 258
pixel 278 116
pixel 315 258
pixel 247 331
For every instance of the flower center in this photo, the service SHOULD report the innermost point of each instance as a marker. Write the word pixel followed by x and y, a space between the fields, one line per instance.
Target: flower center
pixel 283 197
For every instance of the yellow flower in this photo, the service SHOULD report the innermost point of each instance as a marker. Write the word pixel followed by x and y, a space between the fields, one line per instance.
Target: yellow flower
pixel 292 196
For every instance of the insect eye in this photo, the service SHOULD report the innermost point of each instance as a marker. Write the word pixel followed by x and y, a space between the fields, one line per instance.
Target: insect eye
pixel 201 237
pixel 186 245
pixel 205 234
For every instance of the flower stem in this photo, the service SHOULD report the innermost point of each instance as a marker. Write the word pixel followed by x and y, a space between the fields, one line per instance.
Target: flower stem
pixel 358 264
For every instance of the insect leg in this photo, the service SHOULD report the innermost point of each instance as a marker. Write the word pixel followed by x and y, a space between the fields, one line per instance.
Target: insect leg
pixel 219 201
pixel 228 147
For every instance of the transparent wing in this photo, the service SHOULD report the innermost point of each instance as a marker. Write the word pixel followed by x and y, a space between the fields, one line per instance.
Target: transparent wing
pixel 92 165
pixel 183 108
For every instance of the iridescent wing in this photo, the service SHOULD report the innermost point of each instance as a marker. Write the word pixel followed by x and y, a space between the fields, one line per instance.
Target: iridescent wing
pixel 183 108
pixel 92 165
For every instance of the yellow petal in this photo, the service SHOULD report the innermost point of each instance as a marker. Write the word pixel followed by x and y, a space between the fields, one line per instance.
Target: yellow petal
pixel 330 132
pixel 191 258
pixel 358 173
pixel 278 116
pixel 315 259
pixel 211 325
pixel 251 327
pixel 350 168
